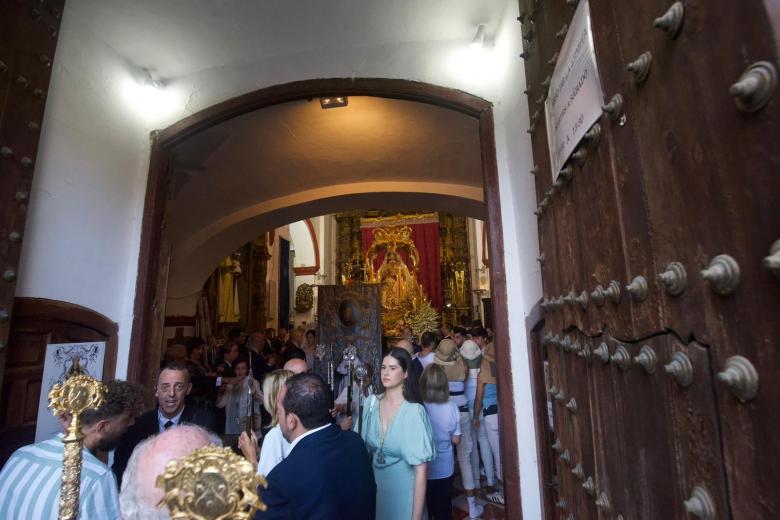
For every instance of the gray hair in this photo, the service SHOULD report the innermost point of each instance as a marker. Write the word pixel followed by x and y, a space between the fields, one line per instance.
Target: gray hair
pixel 135 502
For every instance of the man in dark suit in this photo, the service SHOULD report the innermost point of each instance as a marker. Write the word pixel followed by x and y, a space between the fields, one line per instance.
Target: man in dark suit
pixel 173 386
pixel 327 473
pixel 257 353
pixel 292 349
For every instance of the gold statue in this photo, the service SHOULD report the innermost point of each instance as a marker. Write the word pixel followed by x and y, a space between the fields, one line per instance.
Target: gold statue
pixel 459 289
pixel 74 396
pixel 395 279
pixel 211 483
pixel 227 305
pixel 401 293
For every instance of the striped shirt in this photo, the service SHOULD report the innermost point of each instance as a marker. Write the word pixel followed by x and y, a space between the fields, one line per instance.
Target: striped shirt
pixel 30 484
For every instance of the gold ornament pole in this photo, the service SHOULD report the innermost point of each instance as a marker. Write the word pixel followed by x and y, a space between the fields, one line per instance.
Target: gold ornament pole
pixel 211 483
pixel 73 397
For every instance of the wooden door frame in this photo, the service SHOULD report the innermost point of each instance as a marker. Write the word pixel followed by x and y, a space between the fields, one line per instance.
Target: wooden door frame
pixel 142 360
pixel 60 311
pixel 534 323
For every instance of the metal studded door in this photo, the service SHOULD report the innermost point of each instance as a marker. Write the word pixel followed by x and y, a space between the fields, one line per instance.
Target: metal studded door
pixel 28 38
pixel 661 264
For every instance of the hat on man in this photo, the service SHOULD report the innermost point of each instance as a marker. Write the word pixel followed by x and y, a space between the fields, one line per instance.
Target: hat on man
pixel 471 353
pixel 447 355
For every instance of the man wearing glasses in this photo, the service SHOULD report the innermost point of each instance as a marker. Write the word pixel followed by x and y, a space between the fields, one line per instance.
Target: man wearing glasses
pixel 173 386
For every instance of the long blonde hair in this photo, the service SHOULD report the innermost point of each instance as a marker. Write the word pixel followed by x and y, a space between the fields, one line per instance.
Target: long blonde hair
pixel 272 384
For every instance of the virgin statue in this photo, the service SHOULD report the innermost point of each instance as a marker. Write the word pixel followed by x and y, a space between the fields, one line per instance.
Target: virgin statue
pixel 394 277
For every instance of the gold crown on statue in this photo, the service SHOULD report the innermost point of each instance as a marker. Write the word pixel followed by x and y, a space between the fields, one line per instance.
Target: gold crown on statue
pixel 211 483
pixel 402 234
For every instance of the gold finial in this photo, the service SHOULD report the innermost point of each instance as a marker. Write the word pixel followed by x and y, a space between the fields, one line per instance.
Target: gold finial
pixel 211 483
pixel 74 396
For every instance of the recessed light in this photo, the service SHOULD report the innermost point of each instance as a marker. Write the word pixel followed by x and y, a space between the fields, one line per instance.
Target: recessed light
pixel 333 101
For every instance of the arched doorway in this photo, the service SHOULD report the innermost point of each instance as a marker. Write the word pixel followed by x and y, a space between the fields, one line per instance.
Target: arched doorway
pixel 151 282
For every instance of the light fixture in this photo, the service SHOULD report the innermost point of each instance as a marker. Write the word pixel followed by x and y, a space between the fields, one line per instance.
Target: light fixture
pixel 333 102
pixel 149 96
pixel 479 38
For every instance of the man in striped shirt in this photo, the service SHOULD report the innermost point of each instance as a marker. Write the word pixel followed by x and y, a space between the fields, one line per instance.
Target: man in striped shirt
pixel 30 480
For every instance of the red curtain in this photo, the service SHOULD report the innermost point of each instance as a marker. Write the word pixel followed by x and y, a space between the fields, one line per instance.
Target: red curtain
pixel 426 239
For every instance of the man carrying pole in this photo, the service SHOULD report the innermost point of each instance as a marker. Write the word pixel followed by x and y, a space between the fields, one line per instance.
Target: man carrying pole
pixel 30 481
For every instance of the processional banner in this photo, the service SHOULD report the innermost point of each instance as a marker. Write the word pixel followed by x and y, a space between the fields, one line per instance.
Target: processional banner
pixel 347 316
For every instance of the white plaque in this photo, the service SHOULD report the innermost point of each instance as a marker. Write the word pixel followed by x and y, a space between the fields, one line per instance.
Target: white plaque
pixel 575 97
pixel 59 359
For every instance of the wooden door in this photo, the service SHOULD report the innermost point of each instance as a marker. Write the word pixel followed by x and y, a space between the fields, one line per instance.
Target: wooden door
pixel 28 38
pixel 37 323
pixel 665 398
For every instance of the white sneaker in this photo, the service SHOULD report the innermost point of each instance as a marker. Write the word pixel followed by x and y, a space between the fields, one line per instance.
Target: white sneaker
pixel 497 498
pixel 475 511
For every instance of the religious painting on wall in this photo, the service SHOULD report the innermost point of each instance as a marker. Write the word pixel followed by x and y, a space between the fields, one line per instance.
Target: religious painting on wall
pixel 348 315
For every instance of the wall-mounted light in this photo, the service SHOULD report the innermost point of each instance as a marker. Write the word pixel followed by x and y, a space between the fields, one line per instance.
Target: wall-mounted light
pixel 473 62
pixel 479 38
pixel 333 102
pixel 149 96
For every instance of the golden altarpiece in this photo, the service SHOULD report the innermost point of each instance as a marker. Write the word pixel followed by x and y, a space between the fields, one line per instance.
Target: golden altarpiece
pixel 403 299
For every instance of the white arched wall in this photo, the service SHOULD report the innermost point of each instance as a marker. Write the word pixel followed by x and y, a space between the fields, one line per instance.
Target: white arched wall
pixel 303 239
pixel 86 204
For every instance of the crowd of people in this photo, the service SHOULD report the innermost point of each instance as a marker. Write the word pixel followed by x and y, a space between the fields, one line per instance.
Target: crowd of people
pixel 435 407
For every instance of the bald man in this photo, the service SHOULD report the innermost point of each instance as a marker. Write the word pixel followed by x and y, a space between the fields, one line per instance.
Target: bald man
pixel 406 345
pixel 297 366
pixel 139 496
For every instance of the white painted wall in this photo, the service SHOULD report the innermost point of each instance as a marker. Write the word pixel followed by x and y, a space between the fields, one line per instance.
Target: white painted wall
pixel 305 257
pixel 523 279
pixel 301 239
pixel 82 233
pixel 81 242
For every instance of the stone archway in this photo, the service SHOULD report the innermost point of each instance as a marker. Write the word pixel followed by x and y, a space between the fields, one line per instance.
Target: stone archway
pixel 152 273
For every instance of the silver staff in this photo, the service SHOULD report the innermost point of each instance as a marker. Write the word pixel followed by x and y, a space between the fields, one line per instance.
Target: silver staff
pixel 361 373
pixel 350 353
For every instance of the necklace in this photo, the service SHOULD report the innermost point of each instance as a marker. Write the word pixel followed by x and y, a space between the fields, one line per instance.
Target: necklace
pixel 380 456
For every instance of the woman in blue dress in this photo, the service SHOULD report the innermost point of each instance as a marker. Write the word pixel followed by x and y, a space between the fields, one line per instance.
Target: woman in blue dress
pixel 398 435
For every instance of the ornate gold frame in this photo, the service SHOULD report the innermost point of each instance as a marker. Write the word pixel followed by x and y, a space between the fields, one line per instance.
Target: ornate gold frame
pixel 211 483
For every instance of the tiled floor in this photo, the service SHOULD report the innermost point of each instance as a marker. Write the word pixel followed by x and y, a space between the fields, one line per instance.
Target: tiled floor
pixel 460 508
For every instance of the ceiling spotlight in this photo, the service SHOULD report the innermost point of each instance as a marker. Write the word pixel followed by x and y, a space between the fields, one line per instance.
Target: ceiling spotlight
pixel 333 102
pixel 479 38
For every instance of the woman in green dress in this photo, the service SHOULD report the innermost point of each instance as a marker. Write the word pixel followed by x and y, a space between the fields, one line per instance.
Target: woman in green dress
pixel 398 435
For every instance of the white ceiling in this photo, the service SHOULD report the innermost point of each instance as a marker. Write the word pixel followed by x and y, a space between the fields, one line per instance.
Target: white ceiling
pixel 292 147
pixel 176 38
pixel 296 160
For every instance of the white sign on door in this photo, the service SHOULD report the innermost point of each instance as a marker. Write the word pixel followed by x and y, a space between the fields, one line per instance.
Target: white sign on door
pixel 59 358
pixel 575 98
